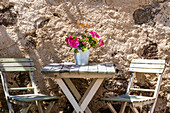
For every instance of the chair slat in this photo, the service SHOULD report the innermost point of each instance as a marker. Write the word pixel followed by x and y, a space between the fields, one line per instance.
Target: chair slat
pixel 159 66
pixel 20 88
pixel 146 70
pixel 14 59
pixel 33 97
pixel 146 90
pixel 16 68
pixel 129 98
pixel 16 64
pixel 148 61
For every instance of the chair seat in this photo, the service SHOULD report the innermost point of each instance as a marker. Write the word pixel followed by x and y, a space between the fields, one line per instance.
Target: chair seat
pixel 129 98
pixel 32 97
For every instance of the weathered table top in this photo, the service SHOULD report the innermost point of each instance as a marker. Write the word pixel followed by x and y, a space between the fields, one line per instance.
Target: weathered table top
pixel 70 70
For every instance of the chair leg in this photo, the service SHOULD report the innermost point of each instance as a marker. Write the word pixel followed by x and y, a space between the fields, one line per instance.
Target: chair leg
pixel 39 106
pixel 50 107
pixel 128 110
pixel 134 109
pixel 123 107
pixel 25 110
pixel 152 107
pixel 10 107
pixel 111 107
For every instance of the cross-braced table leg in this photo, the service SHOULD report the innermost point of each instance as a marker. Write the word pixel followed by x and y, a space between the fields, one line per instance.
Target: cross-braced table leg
pixel 69 95
pixel 75 93
pixel 87 97
pixel 92 89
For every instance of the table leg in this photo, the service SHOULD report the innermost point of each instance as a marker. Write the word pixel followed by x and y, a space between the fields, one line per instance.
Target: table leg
pixel 90 92
pixel 75 92
pixel 69 96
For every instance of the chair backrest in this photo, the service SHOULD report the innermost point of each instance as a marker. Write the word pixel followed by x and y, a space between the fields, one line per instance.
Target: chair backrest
pixel 146 66
pixel 16 65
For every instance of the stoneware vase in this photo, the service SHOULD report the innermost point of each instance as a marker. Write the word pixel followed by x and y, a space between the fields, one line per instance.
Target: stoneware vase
pixel 81 58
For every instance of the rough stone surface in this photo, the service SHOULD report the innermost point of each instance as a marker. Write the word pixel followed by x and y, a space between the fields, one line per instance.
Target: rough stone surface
pixel 130 29
pixel 7 17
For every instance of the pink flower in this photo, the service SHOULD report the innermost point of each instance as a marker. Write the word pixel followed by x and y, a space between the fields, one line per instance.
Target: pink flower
pixel 96 34
pixel 92 33
pixel 101 42
pixel 72 42
pixel 67 39
pixel 84 43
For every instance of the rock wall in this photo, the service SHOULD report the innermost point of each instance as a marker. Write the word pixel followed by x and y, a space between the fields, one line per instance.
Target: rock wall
pixel 129 28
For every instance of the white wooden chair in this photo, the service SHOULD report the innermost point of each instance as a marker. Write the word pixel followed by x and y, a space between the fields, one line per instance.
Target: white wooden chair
pixel 139 66
pixel 26 100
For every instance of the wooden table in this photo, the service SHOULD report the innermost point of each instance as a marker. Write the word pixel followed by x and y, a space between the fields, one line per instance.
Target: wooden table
pixel 64 71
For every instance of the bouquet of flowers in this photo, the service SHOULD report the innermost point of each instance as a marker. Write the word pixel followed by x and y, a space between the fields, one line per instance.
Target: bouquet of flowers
pixel 84 42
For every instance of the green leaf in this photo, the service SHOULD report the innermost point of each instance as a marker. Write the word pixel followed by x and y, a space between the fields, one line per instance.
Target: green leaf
pixel 84 49
pixel 70 49
pixel 83 36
